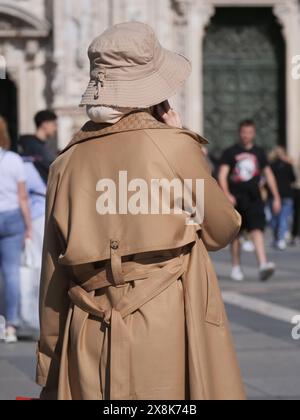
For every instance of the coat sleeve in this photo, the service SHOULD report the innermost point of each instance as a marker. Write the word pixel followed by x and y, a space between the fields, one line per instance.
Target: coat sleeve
pixel 221 223
pixel 54 301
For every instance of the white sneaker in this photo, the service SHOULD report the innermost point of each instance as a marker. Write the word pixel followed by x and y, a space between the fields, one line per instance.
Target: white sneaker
pixel 11 335
pixel 281 245
pixel 237 274
pixel 288 237
pixel 248 246
pixel 266 271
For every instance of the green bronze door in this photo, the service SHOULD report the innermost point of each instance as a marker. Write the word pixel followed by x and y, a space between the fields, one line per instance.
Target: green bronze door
pixel 244 77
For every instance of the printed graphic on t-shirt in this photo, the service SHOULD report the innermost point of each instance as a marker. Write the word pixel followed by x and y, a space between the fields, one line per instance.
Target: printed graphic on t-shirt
pixel 247 167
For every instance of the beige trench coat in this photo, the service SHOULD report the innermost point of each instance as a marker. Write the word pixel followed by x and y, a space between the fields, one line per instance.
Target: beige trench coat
pixel 130 305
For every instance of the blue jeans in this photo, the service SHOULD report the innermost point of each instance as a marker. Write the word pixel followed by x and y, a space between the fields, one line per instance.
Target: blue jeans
pixel 12 229
pixel 280 222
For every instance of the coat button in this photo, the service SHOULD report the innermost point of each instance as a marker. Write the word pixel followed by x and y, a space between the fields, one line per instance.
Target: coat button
pixel 114 244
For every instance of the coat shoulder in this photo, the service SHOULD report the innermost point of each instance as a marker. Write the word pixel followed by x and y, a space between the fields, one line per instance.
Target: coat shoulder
pixel 177 138
pixel 183 149
pixel 60 164
pixel 195 136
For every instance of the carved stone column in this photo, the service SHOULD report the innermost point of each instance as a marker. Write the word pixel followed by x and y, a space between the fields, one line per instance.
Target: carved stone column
pixel 197 15
pixel 179 45
pixel 76 24
pixel 117 11
pixel 288 14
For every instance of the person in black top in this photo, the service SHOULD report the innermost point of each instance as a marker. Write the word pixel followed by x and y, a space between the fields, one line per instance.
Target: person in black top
pixel 296 222
pixel 242 168
pixel 35 147
pixel 285 176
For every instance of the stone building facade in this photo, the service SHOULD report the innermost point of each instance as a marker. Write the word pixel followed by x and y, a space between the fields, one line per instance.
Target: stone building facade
pixel 244 53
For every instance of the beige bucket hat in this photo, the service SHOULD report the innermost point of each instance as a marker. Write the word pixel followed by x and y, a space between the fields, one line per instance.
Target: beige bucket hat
pixel 130 68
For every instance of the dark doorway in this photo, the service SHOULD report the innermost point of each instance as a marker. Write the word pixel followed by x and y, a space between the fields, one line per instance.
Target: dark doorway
pixel 9 108
pixel 244 77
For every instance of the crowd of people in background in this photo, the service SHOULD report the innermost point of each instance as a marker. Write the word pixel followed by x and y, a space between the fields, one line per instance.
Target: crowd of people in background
pixel 22 207
pixel 264 189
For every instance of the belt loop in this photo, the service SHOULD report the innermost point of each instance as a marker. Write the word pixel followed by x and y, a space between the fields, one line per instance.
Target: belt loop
pixel 116 263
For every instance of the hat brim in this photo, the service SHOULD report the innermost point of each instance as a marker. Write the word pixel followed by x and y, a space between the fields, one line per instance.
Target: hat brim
pixel 145 92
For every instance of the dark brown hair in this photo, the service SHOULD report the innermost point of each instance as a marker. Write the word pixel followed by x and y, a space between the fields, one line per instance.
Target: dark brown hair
pixel 247 123
pixel 44 116
pixel 4 136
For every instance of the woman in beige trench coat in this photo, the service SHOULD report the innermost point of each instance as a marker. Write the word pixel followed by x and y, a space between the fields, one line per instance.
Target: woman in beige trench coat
pixel 130 306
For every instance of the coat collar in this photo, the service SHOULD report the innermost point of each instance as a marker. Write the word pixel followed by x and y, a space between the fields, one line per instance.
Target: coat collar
pixel 136 120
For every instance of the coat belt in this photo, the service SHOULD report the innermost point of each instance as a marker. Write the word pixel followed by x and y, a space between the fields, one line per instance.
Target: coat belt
pixel 155 280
